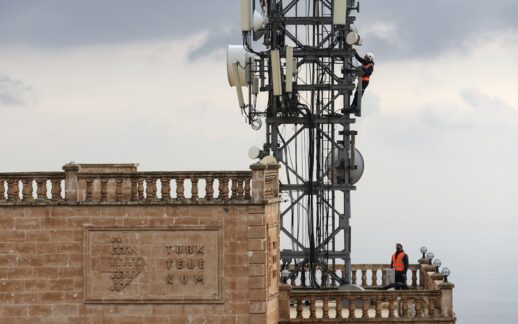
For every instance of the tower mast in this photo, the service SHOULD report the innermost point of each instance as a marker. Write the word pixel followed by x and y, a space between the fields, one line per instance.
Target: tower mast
pixel 296 63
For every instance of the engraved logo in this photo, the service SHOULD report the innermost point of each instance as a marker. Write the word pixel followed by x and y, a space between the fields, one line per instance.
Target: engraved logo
pixel 125 264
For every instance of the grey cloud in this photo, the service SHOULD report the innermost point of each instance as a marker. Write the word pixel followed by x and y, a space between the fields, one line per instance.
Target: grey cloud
pixel 486 103
pixel 422 28
pixel 428 28
pixel 13 92
pixel 52 23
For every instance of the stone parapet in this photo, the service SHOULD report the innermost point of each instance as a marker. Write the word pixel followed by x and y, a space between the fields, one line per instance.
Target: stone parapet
pixel 94 185
pixel 134 249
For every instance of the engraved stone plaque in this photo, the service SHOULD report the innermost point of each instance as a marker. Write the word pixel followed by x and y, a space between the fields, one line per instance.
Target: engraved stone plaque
pixel 153 265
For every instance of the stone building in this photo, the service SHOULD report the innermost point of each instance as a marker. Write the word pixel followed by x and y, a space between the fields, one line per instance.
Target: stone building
pixel 110 244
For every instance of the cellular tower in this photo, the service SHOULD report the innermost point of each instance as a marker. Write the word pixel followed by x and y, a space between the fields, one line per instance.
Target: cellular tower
pixel 294 77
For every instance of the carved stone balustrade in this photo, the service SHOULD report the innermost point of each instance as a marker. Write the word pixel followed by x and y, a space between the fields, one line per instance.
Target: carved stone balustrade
pixel 27 188
pixel 428 299
pixel 85 184
pixel 364 275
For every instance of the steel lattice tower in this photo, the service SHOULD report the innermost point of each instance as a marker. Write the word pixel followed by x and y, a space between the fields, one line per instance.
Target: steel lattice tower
pixel 306 128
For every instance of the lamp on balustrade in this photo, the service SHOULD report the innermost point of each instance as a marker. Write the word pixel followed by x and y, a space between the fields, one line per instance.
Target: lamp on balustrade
pixel 285 275
pixel 445 272
pixel 437 264
pixel 423 251
pixel 429 257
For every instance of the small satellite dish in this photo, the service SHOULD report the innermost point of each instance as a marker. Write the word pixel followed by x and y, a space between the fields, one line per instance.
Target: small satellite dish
pixel 353 38
pixel 259 22
pixel 336 167
pixel 254 152
pixel 238 54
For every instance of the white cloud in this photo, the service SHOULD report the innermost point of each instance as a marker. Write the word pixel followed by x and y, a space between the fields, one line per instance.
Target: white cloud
pixel 13 92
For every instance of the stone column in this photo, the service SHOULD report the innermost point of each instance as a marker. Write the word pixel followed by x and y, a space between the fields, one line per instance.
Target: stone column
pixel 71 182
pixel 258 182
pixel 284 302
pixel 263 186
pixel 446 298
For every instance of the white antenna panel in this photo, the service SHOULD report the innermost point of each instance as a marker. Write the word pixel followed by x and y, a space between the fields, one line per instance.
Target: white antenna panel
pixel 246 15
pixel 339 12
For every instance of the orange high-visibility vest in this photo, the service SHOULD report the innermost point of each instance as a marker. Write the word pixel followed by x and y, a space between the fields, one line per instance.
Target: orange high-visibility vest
pixel 366 77
pixel 398 263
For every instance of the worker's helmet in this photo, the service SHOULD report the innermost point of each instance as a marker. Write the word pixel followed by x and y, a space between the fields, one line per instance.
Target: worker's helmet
pixel 370 56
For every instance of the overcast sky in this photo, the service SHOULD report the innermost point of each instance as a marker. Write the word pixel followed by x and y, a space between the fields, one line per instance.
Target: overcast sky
pixel 145 81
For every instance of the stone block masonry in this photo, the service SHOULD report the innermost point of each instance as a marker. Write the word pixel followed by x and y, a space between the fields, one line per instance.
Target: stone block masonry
pixel 120 246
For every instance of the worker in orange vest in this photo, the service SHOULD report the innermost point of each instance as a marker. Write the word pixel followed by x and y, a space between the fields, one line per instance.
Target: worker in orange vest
pixel 367 68
pixel 399 263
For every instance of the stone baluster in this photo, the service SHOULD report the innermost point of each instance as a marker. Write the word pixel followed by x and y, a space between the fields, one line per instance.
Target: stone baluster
pixel 56 189
pixel 312 307
pixel 353 276
pixel 41 189
pixel 220 189
pixel 364 277
pixel 89 189
pixel 150 189
pixel 299 307
pixel 140 189
pixel 392 307
pixel 27 191
pixel 224 189
pixel 209 188
pixel 365 307
pixel 2 190
pixel 118 189
pixel 325 307
pixel 194 188
pixel 378 307
pixel 134 189
pixel 180 189
pixel 431 307
pixel 166 188
pixel 352 307
pixel 418 307
pixel 404 307
pixel 104 189
pixel 234 188
pixel 240 189
pixel 248 194
pixel 374 277
pixel 383 277
pixel 11 190
pixel 339 308
pixel 414 278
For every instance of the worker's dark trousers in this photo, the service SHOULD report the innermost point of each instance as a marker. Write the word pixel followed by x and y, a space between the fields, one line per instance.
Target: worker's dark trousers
pixel 400 280
pixel 355 100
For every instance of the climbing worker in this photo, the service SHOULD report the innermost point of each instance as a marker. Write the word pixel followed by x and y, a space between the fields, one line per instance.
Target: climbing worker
pixel 367 68
pixel 399 263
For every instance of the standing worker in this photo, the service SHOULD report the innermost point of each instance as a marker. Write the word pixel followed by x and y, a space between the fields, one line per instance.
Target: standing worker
pixel 367 68
pixel 399 263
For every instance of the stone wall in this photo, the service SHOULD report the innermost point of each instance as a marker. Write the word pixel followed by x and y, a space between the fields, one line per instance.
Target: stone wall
pixel 174 261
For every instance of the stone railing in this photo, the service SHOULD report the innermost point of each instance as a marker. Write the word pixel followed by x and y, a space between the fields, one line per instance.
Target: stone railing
pixel 366 306
pixel 31 187
pixel 364 275
pixel 429 299
pixel 91 184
